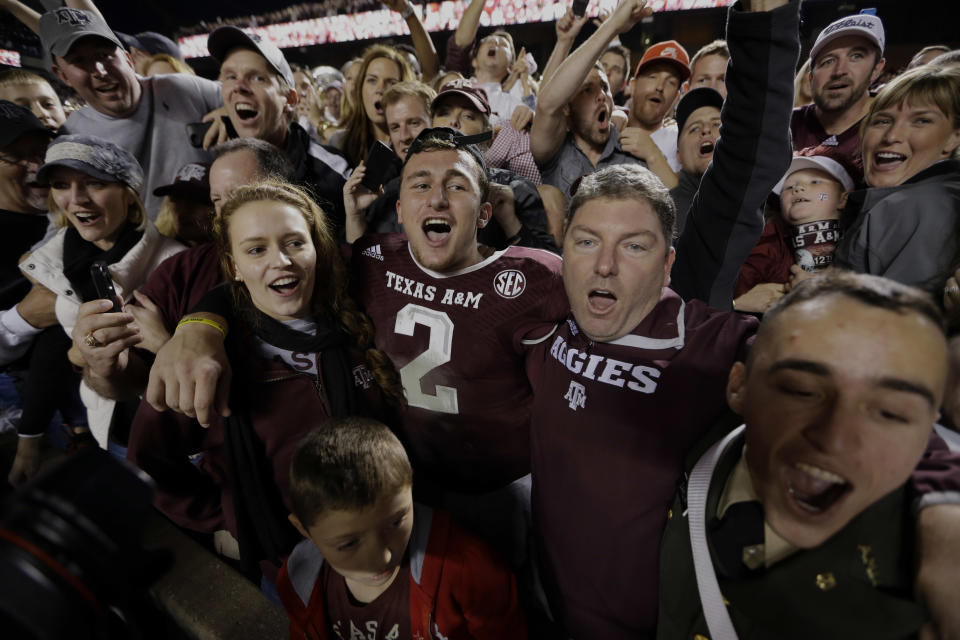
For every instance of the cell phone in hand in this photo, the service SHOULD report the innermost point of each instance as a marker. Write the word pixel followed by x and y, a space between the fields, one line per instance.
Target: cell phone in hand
pixel 378 163
pixel 197 130
pixel 103 284
pixel 580 7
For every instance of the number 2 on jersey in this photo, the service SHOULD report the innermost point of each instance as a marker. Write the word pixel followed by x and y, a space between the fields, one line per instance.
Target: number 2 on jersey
pixel 437 353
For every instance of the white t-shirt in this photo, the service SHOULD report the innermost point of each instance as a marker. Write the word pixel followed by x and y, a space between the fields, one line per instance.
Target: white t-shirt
pixel 666 140
pixel 156 133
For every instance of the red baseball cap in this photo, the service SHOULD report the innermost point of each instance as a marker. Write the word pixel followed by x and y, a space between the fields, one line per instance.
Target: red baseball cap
pixel 669 51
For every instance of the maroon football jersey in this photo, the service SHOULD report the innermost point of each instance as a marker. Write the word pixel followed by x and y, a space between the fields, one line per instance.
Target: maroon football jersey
pixel 612 423
pixel 386 618
pixel 459 341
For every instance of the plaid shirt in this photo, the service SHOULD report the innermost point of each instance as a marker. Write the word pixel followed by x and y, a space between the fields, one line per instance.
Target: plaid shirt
pixel 511 150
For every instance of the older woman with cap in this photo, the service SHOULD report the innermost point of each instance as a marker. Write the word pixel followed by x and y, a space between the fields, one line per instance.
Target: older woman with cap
pixel 94 189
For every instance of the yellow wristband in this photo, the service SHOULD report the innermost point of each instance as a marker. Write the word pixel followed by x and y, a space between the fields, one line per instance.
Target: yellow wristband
pixel 215 325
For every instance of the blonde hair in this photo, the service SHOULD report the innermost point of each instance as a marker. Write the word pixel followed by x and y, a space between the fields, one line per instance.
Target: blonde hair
pixel 359 130
pixel 715 48
pixel 924 85
pixel 166 221
pixel 15 77
pixel 179 66
pixel 136 214
pixel 329 298
pixel 410 89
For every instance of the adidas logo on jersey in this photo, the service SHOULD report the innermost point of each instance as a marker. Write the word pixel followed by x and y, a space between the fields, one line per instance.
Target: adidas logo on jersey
pixel 373 252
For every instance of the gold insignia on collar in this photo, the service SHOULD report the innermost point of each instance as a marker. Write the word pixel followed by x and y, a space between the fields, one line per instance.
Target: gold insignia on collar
pixel 869 563
pixel 826 581
pixel 753 556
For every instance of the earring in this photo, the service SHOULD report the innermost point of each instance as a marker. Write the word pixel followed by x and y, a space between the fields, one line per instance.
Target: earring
pixel 238 278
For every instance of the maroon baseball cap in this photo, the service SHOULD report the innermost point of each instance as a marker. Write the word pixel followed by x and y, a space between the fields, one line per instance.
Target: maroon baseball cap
pixel 477 96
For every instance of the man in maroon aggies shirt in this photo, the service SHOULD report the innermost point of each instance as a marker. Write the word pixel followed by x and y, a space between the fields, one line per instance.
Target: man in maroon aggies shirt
pixel 636 375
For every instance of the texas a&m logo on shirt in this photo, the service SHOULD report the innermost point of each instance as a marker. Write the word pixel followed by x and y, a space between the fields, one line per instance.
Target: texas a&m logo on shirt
pixel 576 395
pixel 509 283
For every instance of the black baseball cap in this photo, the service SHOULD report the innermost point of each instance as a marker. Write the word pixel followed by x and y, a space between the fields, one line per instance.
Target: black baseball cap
pixel 693 100
pixel 16 121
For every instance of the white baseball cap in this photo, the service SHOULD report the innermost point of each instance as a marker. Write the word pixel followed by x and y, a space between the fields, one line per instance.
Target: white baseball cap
pixel 862 24
pixel 822 163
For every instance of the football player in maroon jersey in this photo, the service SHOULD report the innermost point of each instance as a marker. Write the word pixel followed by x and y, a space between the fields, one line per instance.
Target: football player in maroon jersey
pixel 457 325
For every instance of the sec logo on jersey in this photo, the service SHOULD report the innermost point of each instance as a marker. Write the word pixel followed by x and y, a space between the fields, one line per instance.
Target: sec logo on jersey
pixel 509 283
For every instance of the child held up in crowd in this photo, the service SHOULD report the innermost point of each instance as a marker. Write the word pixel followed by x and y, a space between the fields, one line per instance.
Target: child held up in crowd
pixel 802 241
pixel 376 562
pixel 812 196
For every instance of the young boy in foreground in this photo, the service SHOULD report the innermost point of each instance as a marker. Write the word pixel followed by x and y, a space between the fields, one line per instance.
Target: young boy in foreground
pixel 375 563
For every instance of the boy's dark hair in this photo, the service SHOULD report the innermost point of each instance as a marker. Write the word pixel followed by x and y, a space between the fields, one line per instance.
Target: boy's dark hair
pixel 447 139
pixel 873 291
pixel 346 465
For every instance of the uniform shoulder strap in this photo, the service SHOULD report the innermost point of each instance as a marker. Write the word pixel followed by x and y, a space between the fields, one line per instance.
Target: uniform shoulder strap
pixel 714 610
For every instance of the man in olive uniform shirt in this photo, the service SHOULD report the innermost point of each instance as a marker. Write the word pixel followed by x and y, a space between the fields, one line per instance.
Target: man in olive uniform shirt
pixel 805 515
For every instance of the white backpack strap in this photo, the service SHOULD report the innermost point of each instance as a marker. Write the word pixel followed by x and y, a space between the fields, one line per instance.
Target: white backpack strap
pixel 698 487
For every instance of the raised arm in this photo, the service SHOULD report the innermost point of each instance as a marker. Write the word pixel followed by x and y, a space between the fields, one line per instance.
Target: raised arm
pixel 567 28
pixel 23 13
pixel 557 91
pixel 86 5
pixel 466 31
pixel 752 154
pixel 429 60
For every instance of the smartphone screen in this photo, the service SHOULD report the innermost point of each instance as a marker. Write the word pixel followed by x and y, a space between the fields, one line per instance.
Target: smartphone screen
pixel 580 7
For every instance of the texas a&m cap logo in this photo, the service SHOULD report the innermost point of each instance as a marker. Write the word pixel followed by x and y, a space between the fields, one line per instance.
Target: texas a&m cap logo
pixel 509 283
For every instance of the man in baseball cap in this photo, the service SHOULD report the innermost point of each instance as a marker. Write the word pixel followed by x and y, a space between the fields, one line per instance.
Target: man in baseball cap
pixel 145 45
pixel 846 58
pixel 256 109
pixel 259 94
pixel 75 39
pixel 655 87
pixel 698 127
pixel 23 140
pixel 147 116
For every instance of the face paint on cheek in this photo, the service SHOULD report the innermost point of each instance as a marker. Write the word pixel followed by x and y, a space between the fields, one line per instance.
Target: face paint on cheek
pixel 823 196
